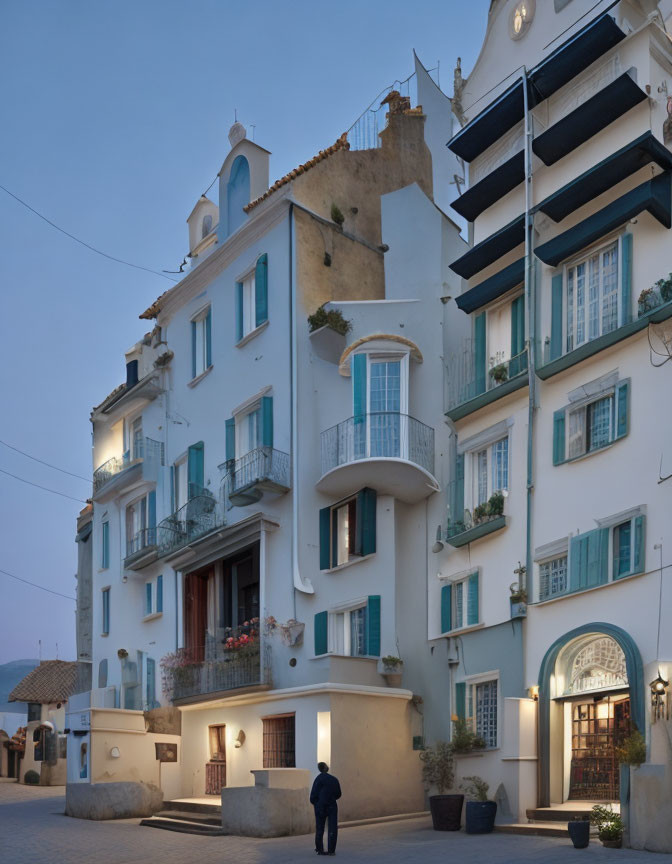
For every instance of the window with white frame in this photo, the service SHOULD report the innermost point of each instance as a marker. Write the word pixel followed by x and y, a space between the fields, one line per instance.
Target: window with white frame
pixel 133 440
pixel 347 631
pixel 180 483
pixel 248 430
pixel 490 467
pixel 249 304
pixel 201 348
pixel 139 531
pixel 380 405
pixel 153 600
pixel 460 605
pixel 553 577
pixel 344 522
pixel 592 295
pixel 591 426
pixel 597 416
pixel 482 707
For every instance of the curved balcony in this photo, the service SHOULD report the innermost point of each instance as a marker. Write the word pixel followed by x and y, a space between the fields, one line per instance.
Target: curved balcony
pixel 202 514
pixel 130 467
pixel 261 470
pixel 390 452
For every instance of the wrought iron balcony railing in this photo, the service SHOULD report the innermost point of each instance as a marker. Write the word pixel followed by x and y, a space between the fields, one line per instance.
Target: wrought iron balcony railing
pixel 464 381
pixel 202 514
pixel 144 539
pixel 378 435
pixel 261 470
pixel 145 449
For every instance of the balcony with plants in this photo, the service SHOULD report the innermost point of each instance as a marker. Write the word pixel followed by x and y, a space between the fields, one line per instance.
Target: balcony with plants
pixel 262 470
pixel 200 516
pixel 238 659
pixel 485 519
pixel 470 386
pixel 140 463
pixel 386 450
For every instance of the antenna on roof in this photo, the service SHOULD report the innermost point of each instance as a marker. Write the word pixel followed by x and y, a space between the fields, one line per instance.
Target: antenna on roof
pixel 235 115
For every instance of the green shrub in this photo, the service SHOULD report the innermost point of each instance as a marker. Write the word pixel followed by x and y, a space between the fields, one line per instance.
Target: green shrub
pixel 329 318
pixel 463 740
pixel 633 749
pixel 608 823
pixel 336 215
pixel 475 788
pixel 32 778
pixel 496 504
pixel 438 767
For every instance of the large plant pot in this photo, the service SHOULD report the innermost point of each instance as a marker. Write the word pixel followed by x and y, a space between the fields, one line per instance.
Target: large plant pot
pixel 480 817
pixel 579 831
pixel 446 812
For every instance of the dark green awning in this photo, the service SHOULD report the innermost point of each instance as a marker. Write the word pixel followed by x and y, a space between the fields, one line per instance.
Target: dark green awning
pixel 606 174
pixel 490 249
pixel 491 188
pixel 492 288
pixel 588 119
pixel 655 196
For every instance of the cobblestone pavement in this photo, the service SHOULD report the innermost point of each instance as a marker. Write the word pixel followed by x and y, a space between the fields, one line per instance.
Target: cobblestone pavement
pixel 35 831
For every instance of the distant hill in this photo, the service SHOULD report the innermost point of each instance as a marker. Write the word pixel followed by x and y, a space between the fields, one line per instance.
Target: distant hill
pixel 10 675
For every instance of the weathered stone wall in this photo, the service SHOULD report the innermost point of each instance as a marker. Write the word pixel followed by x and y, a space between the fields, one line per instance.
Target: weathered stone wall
pixel 124 800
pixel 257 811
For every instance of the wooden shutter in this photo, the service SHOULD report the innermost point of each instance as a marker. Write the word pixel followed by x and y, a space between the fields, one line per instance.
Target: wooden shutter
pixel 325 538
pixel 266 417
pixel 230 427
pixel 446 609
pixel 517 325
pixel 480 360
pixel 640 544
pixel 239 311
pixel 320 626
pixel 557 287
pixel 622 397
pixel 208 339
pixel 193 349
pixel 373 626
pixel 461 700
pixel 195 469
pixel 559 436
pixel 261 290
pixel 472 599
pixel 626 277
pixel 365 533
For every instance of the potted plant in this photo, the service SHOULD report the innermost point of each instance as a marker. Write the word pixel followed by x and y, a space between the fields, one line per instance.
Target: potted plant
pixel 648 300
pixel 664 288
pixel 609 826
pixel 463 739
pixel 480 810
pixel 499 373
pixel 630 753
pixel 438 772
pixel 392 669
pixel 518 600
pixel 495 505
pixel 579 831
pixel 480 513
pixel 332 318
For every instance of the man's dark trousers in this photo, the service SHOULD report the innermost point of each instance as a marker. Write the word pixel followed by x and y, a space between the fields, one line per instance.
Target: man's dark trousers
pixel 327 814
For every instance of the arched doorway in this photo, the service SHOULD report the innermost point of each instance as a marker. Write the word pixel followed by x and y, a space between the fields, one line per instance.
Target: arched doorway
pixel 590 695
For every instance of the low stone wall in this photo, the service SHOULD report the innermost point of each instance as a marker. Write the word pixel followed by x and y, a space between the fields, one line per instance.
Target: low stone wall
pixel 259 811
pixel 122 800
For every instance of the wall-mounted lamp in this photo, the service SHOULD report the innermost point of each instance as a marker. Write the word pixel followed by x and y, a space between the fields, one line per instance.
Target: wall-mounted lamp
pixel 533 692
pixel 659 706
pixel 438 546
pixel 239 739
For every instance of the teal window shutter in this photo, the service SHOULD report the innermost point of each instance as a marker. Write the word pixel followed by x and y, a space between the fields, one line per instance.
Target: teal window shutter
pixel 559 436
pixel 640 540
pixel 193 349
pixel 195 469
pixel 461 700
pixel 626 277
pixel 373 626
pixel 588 559
pixel 480 360
pixel 148 598
pixel 622 408
pixel 325 538
pixel 172 488
pixel 446 611
pixel 239 311
pixel 359 404
pixel 321 623
pixel 208 339
pixel 578 562
pixel 151 515
pixel 365 527
pixel 230 427
pixel 151 683
pixel 267 421
pixel 472 599
pixel 334 538
pixel 105 559
pixel 106 610
pixel 517 325
pixel 557 288
pixel 457 503
pixel 261 290
pixel 159 593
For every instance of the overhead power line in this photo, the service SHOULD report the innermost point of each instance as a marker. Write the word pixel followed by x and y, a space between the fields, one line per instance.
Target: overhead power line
pixel 35 585
pixel 37 485
pixel 42 462
pixel 82 242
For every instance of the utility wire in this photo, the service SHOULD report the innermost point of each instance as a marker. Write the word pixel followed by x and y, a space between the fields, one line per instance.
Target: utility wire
pixel 82 242
pixel 42 462
pixel 54 491
pixel 35 585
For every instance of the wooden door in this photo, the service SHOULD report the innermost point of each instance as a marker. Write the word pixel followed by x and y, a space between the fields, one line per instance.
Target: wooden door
pixel 597 728
pixel 195 615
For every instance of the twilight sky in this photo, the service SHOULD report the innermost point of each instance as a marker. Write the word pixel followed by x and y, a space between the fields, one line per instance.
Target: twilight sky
pixel 115 120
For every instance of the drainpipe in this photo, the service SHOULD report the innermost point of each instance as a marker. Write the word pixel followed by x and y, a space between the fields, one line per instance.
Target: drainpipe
pixel 530 315
pixel 298 583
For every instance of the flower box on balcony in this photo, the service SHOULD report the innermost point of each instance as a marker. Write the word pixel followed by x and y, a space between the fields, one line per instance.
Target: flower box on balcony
pixel 458 536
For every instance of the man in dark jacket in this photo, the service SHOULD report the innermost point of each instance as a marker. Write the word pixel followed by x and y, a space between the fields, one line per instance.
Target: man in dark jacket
pixel 323 796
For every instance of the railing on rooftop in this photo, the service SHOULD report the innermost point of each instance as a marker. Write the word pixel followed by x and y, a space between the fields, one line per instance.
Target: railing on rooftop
pixel 465 382
pixel 144 449
pixel 378 435
pixel 202 514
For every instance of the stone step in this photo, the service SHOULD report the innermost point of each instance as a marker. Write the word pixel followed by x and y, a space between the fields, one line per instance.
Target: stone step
pixel 191 816
pixel 535 829
pixel 555 814
pixel 194 807
pixel 183 827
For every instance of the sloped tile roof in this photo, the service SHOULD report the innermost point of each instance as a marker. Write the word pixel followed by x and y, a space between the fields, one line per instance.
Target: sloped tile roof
pixel 51 681
pixel 18 739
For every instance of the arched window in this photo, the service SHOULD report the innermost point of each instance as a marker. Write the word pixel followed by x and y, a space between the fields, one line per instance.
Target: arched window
pixel 593 663
pixel 206 227
pixel 237 193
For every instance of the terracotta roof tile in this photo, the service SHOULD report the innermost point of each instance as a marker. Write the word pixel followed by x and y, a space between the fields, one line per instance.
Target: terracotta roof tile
pixel 18 739
pixel 51 681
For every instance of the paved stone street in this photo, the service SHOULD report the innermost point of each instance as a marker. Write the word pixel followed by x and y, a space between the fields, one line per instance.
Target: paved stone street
pixel 34 830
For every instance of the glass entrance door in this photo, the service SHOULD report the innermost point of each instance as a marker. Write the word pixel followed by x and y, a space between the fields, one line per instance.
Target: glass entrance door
pixel 598 727
pixel 384 408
